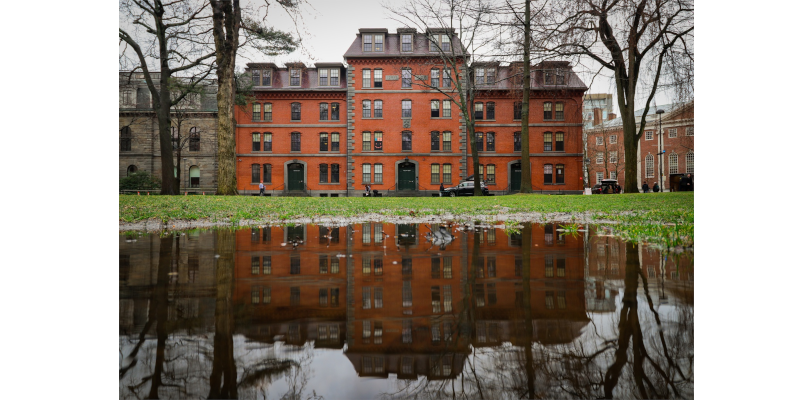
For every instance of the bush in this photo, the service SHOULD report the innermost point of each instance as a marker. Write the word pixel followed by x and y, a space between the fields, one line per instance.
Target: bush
pixel 139 181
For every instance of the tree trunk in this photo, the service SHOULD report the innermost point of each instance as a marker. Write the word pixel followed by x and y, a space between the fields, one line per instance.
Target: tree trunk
pixel 226 18
pixel 168 184
pixel 629 132
pixel 476 162
pixel 525 159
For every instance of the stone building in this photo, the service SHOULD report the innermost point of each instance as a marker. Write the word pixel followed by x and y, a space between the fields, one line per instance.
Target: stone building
pixel 332 129
pixel 194 127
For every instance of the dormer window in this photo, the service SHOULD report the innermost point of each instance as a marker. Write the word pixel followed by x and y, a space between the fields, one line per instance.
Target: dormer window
pixel 262 77
pixel 554 77
pixel 480 76
pixel 329 77
pixel 443 41
pixel 405 40
pixel 368 39
pixel 294 77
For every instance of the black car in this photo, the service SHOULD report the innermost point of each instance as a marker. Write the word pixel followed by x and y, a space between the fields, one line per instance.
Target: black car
pixel 466 188
pixel 606 186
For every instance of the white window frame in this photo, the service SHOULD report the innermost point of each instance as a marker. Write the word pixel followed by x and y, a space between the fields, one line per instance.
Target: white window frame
pixel 690 162
pixel 649 166
pixel 612 139
pixel 612 175
pixel 599 140
pixel 673 163
pixel 689 131
pixel 648 135
pixel 599 158
pixel 598 176
pixel 673 132
pixel 612 157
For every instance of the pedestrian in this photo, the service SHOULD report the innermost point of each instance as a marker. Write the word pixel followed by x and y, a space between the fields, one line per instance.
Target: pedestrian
pixel 366 189
pixel 655 187
pixel 261 188
pixel 441 189
pixel 617 189
pixel 686 183
pixel 689 183
pixel 645 188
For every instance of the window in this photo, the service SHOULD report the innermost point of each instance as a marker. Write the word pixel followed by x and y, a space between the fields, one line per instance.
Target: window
pixel 446 143
pixel 440 41
pixel 559 111
pixel 690 131
pixel 517 110
pixel 406 109
pixel 366 109
pixel 555 77
pixel 262 77
pixel 405 40
pixel 366 142
pixel 690 162
pixel 649 170
pixel 194 139
pixel 559 141
pixel 406 78
pixel 176 139
pixel 406 141
pixel 366 80
pixel 131 170
pixel 559 173
pixel 479 140
pixel 435 178
pixel 548 141
pixel 490 74
pixel 256 141
pixel 489 141
pixel 323 111
pixel 366 171
pixel 335 174
pixel 612 175
pixel 378 42
pixel 548 173
pixel 295 111
pixel 323 141
pixel 517 141
pixel 447 173
pixel 125 138
pixel 599 158
pixel 648 135
pixel 367 42
pixel 267 174
pixel 256 173
pixel 435 77
pixel 378 173
pixel 599 140
pixel 256 112
pixel 378 78
pixel 598 177
pixel 334 141
pixel 490 173
pixel 673 163
pixel 434 108
pixel 446 80
pixel 334 77
pixel 323 77
pixel 612 139
pixel 673 133
pixel 480 78
pixel 378 141
pixel 378 108
pixel 323 173
pixel 548 110
pixel 446 109
pixel 490 110
pixel 267 141
pixel 612 157
pixel 334 111
pixel 478 111
pixel 325 73
pixel 268 112
pixel 295 141
pixel 294 77
pixel 435 141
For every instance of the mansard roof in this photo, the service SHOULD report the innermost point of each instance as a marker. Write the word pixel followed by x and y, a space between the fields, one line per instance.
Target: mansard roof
pixel 309 76
pixel 392 44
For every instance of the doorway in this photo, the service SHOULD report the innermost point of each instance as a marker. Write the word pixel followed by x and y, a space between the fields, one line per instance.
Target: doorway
pixel 295 177
pixel 406 176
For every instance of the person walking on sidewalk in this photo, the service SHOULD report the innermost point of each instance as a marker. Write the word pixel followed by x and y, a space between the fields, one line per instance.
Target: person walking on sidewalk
pixel 261 188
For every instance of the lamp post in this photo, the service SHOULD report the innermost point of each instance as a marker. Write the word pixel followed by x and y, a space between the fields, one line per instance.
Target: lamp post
pixel 185 184
pixel 660 152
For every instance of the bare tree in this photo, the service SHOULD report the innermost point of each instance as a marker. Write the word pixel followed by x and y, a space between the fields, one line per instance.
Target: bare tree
pixel 641 41
pixel 467 20
pixel 170 37
pixel 229 18
pixel 603 145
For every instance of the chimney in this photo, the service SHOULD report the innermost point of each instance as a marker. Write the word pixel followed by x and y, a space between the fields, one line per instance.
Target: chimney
pixel 598 116
pixel 611 116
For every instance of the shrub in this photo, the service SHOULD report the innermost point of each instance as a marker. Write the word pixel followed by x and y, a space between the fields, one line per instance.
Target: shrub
pixel 139 181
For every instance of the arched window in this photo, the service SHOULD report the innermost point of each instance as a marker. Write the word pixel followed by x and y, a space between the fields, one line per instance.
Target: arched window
pixel 194 176
pixel 267 173
pixel 256 141
pixel 548 173
pixel 131 170
pixel 673 163
pixel 559 173
pixel 125 137
pixel 648 166
pixel 295 111
pixel 194 139
pixel 690 162
pixel 548 110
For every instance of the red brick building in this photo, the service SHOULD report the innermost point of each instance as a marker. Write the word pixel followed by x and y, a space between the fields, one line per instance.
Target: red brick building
pixel 331 130
pixel 606 152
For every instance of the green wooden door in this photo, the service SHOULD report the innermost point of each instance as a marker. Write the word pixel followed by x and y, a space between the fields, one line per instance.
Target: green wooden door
pixel 295 177
pixel 407 177
pixel 516 176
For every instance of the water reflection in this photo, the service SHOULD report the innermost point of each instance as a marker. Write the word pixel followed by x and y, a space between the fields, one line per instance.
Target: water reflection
pixel 376 309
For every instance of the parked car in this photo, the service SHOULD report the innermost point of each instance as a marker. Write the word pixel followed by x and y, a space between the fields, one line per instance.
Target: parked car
pixel 466 188
pixel 606 186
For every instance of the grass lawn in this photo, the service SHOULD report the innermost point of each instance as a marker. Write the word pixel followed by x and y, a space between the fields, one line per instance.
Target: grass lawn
pixel 666 218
